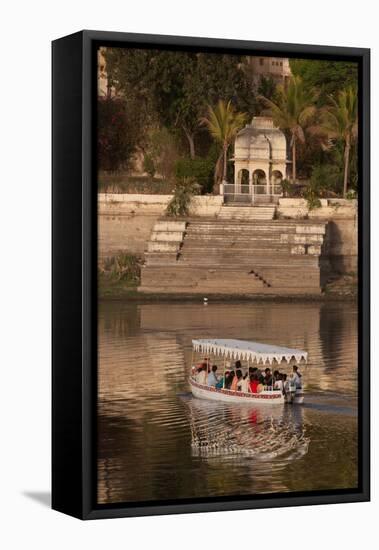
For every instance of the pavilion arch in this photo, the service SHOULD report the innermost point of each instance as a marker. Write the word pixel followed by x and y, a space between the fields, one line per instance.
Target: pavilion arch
pixel 243 176
pixel 276 177
pixel 259 177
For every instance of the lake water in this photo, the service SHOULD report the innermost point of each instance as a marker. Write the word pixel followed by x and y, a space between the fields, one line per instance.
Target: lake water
pixel 158 442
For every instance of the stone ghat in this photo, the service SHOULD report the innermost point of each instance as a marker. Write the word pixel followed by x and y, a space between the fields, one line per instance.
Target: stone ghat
pixel 216 256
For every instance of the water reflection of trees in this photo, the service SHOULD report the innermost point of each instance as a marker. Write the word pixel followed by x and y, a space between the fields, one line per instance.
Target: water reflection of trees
pixel 119 318
pixel 339 344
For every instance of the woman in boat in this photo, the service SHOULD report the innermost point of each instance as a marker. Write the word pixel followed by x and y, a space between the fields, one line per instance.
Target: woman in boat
pixel 229 379
pixel 236 380
pixel 243 384
pixel 201 377
pixel 255 386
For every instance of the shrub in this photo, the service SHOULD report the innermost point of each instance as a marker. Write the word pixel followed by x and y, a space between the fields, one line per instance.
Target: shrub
pixel 148 165
pixel 291 189
pixel 326 179
pixel 312 198
pixel 352 194
pixel 185 189
pixel 124 267
pixel 198 169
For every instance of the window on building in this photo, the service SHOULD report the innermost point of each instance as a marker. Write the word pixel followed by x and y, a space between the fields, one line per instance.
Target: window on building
pixel 261 61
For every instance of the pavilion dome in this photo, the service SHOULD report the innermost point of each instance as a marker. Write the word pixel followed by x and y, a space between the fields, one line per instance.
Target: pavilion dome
pixel 260 140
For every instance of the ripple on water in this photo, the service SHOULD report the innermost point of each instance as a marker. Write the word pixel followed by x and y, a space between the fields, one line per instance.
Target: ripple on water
pixel 157 442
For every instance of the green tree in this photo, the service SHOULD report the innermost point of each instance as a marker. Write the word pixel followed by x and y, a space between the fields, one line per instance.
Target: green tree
pixel 329 77
pixel 268 88
pixel 223 123
pixel 178 85
pixel 118 133
pixel 292 111
pixel 339 123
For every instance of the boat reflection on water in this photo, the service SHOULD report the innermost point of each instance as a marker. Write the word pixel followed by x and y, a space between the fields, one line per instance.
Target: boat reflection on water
pixel 260 433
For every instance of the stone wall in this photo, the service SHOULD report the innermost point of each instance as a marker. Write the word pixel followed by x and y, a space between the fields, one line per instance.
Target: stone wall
pixel 340 247
pixel 126 222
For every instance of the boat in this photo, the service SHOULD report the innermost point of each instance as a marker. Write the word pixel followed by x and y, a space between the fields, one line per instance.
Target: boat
pixel 254 354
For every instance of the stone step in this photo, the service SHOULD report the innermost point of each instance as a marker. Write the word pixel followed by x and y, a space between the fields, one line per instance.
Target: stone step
pixel 280 261
pixel 234 256
pixel 235 244
pixel 247 212
pixel 234 281
pixel 175 236
pixel 161 258
pixel 168 225
pixel 246 208
pixel 184 291
pixel 163 246
pixel 236 228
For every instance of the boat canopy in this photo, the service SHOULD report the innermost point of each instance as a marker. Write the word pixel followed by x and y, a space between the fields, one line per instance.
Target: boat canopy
pixel 254 351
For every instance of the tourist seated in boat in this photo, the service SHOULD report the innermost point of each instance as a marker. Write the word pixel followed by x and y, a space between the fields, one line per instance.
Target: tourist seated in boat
pixel 268 377
pixel 220 384
pixel 260 375
pixel 201 376
pixel 236 379
pixel 229 379
pixel 255 386
pixel 212 377
pixel 243 383
pixel 200 366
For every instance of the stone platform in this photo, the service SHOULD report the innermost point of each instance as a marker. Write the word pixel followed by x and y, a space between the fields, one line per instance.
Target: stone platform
pixel 236 257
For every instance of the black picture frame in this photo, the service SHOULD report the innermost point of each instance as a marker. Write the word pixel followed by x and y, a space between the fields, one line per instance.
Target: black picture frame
pixel 74 294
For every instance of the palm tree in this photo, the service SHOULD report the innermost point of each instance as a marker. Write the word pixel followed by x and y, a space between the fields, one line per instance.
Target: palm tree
pixel 339 121
pixel 223 123
pixel 292 112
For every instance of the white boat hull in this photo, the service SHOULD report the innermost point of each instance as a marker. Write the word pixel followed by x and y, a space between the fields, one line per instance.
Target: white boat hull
pixel 228 396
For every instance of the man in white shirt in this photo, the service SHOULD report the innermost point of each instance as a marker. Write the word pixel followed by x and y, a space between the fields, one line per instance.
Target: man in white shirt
pixel 212 377
pixel 296 377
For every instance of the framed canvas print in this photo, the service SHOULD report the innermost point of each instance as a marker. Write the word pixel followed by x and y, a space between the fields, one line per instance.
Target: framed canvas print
pixel 210 275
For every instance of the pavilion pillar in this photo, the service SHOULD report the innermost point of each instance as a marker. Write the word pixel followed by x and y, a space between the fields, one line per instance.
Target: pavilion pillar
pixel 251 187
pixel 268 180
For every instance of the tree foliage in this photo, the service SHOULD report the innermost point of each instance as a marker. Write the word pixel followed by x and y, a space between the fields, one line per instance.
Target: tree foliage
pixel 118 133
pixel 339 123
pixel 178 85
pixel 181 111
pixel 223 123
pixel 292 111
pixel 329 77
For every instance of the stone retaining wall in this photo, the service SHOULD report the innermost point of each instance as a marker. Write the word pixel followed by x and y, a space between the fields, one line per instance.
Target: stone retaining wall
pixel 340 248
pixel 126 222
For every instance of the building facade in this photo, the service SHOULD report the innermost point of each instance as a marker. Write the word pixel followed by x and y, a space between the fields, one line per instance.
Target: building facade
pixel 277 68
